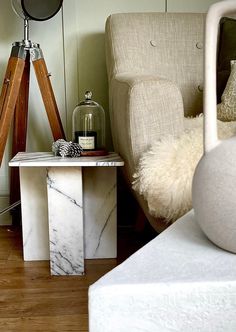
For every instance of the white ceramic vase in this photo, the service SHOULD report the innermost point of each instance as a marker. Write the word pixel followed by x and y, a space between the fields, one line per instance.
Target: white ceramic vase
pixel 214 182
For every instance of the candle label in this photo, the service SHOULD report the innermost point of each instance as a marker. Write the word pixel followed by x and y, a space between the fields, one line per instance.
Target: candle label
pixel 86 139
pixel 87 142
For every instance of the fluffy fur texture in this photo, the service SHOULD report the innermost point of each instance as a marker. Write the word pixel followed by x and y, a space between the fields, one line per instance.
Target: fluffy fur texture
pixel 164 174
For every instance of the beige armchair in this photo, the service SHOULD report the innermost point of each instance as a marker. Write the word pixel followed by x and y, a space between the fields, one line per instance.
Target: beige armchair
pixel 155 73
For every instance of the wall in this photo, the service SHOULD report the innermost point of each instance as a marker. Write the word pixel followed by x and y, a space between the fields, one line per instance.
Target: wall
pixel 73 46
pixel 197 6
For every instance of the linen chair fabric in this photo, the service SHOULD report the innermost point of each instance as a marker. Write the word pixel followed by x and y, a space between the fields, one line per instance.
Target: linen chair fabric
pixel 155 74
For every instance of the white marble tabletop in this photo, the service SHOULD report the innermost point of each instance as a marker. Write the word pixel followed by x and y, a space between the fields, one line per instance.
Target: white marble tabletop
pixel 179 281
pixel 41 159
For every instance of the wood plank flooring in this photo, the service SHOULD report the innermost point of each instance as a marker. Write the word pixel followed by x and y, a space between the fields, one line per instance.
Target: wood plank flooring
pixel 31 300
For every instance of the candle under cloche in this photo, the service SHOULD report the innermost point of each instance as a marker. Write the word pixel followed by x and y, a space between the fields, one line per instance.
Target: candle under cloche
pixel 88 123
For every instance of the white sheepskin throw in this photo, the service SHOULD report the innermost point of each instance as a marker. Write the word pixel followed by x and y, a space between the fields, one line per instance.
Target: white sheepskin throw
pixel 164 174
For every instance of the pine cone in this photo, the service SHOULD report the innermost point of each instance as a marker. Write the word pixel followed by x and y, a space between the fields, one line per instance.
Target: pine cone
pixel 56 146
pixel 75 150
pixel 64 149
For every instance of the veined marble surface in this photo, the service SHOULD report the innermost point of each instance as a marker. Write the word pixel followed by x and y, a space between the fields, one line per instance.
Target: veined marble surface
pixel 179 281
pixel 65 214
pixel 38 159
pixel 99 212
pixel 99 187
pixel 58 214
pixel 34 210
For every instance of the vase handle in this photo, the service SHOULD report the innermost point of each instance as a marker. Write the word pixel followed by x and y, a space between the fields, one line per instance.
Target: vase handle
pixel 214 14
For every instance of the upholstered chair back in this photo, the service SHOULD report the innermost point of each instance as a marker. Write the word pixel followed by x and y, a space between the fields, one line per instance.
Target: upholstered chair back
pixel 169 45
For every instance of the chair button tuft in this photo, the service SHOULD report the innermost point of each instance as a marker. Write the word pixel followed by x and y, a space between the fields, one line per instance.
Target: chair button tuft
pixel 153 43
pixel 200 88
pixel 199 45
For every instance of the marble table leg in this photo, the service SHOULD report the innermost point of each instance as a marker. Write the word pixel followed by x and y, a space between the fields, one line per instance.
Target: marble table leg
pixel 65 214
pixel 34 212
pixel 99 210
pixel 99 188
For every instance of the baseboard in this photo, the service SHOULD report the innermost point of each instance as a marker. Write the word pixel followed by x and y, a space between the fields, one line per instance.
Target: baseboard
pixel 5 219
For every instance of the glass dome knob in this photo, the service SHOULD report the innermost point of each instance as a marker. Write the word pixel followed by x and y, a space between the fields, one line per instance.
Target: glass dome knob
pixel 88 95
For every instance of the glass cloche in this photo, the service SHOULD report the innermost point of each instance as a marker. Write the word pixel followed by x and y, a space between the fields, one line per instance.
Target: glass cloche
pixel 88 124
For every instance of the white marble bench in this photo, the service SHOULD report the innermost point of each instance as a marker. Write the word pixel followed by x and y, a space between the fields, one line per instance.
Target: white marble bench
pixel 68 209
pixel 179 281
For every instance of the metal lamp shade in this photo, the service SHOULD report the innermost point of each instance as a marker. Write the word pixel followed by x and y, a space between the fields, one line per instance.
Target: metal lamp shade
pixel 37 10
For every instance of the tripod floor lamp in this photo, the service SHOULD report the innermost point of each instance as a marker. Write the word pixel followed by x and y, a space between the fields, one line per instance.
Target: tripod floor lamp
pixel 15 89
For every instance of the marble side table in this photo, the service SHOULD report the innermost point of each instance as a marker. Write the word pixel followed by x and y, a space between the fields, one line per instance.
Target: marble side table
pixel 178 282
pixel 68 209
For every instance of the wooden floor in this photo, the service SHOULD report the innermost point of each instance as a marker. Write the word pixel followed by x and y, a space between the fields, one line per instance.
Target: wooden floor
pixel 32 300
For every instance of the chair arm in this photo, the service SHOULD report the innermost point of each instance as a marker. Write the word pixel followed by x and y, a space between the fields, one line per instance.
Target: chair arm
pixel 143 108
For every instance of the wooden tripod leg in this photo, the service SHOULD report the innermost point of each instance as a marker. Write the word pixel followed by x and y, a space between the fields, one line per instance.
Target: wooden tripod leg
pixel 10 90
pixel 48 98
pixel 20 130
